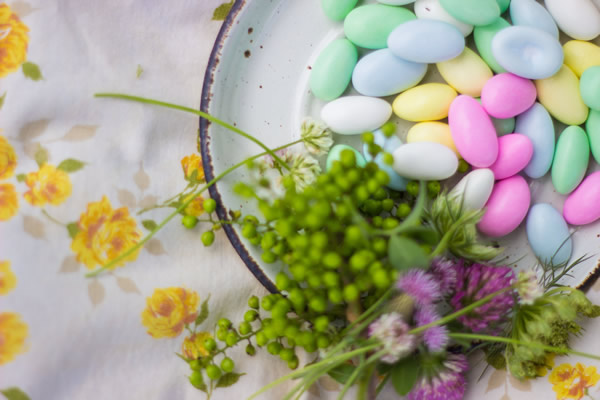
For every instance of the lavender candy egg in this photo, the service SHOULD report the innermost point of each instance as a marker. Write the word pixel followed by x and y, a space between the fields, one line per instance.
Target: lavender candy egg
pixel 582 207
pixel 507 95
pixel 514 153
pixel 506 208
pixel 536 123
pixel 548 234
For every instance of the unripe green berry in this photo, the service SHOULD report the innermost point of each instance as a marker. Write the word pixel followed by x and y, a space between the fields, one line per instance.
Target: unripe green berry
pixel 287 354
pixel 318 304
pixel 197 380
pixel 189 221
pixel 382 177
pixel 335 295
pixel 403 210
pixel 222 334
pixel 224 323
pixel 387 204
pixel 195 365
pixel 293 364
pixel 207 238
pixel 250 350
pixel 348 158
pixel 331 279
pixel 261 339
pixel 323 342
pixel 368 137
pixel 321 323
pixel 433 188
pixel 213 372
pixel 231 339
pixel 412 188
pixel 268 257
pixel 227 364
pixel 274 348
pixel 463 166
pixel 351 293
pixel 381 279
pixel 282 281
pixel 388 159
pixel 210 344
pixel 253 302
pixel 209 205
pixel 388 129
pixel 245 328
pixel 267 303
pixel 248 230
pixel 250 315
pixel 332 259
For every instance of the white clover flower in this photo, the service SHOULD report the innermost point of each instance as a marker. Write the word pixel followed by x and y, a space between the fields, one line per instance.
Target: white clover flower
pixel 304 170
pixel 316 136
pixel 528 287
pixel 392 332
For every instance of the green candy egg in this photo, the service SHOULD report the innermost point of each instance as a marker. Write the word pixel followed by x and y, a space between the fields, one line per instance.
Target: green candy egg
pixel 483 40
pixel 336 151
pixel 473 12
pixel 369 26
pixel 570 159
pixel 503 4
pixel 332 71
pixel 592 127
pixel 589 86
pixel 337 10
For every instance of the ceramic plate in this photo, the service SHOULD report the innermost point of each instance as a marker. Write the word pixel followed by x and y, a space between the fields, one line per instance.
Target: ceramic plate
pixel 257 79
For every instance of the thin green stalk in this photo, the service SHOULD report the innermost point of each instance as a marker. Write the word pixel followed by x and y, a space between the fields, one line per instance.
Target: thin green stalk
pixel 197 112
pixel 355 374
pixel 182 207
pixel 375 305
pixel 51 218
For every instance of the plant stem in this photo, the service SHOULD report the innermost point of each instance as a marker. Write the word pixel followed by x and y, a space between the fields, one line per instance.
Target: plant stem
pixel 201 114
pixel 51 218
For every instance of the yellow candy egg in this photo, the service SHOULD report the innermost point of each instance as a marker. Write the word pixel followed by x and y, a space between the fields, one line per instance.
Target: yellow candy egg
pixel 580 55
pixel 466 73
pixel 437 132
pixel 561 97
pixel 428 102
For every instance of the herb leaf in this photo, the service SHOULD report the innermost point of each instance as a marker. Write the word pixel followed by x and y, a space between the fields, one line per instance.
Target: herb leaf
pixel 405 253
pixel 405 374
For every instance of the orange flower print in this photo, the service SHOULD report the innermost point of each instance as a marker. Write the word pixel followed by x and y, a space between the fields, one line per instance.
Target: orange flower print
pixel 573 382
pixel 9 202
pixel 13 333
pixel 8 279
pixel 8 159
pixel 48 185
pixel 13 41
pixel 193 346
pixel 192 163
pixel 105 234
pixel 196 207
pixel 169 310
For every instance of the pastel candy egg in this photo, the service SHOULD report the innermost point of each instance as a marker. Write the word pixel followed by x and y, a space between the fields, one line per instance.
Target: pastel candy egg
pixel 396 2
pixel 437 132
pixel 474 189
pixel 389 145
pixel 514 153
pixel 561 97
pixel 507 95
pixel 592 127
pixel 337 10
pixel 432 9
pixel 527 52
pixel 570 159
pixel 369 26
pixel 336 151
pixel 466 73
pixel 533 14
pixel 580 55
pixel 579 19
pixel 483 36
pixel 582 206
pixel 473 12
pixel 425 161
pixel 548 234
pixel 503 4
pixel 381 73
pixel 537 125
pixel 332 71
pixel 506 208
pixel 426 41
pixel 589 86
pixel 503 126
pixel 428 102
pixel 473 132
pixel 356 114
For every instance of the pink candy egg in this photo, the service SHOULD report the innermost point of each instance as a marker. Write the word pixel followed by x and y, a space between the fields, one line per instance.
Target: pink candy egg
pixel 507 95
pixel 514 153
pixel 507 207
pixel 473 132
pixel 583 205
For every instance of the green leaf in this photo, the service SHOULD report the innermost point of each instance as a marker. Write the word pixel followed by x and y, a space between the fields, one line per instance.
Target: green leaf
pixel 14 393
pixel 342 373
pixel 21 177
pixel 405 253
pixel 149 224
pixel 2 99
pixel 425 235
pixel 71 165
pixel 405 374
pixel 228 379
pixel 32 71
pixel 73 229
pixel 194 176
pixel 41 156
pixel 221 12
pixel 203 312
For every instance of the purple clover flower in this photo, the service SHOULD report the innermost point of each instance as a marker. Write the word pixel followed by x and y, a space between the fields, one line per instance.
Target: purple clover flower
pixel 436 337
pixel 448 383
pixel 421 286
pixel 392 332
pixel 444 271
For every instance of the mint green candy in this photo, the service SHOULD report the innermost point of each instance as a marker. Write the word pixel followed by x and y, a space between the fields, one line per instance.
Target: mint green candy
pixel 570 159
pixel 589 86
pixel 503 4
pixel 369 26
pixel 592 127
pixel 483 40
pixel 336 151
pixel 337 9
pixel 332 71
pixel 473 12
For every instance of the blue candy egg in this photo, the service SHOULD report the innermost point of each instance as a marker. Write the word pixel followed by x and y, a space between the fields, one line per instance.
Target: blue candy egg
pixel 527 52
pixel 533 14
pixel 536 123
pixel 381 73
pixel 548 234
pixel 426 41
pixel 389 145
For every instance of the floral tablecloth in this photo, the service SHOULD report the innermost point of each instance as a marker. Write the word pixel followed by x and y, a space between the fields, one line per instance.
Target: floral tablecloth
pixel 77 177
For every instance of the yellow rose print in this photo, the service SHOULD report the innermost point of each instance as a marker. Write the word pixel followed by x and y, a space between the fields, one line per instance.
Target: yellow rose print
pixel 573 382
pixel 13 332
pixel 169 310
pixel 193 346
pixel 8 280
pixel 190 164
pixel 48 185
pixel 13 41
pixel 196 207
pixel 9 202
pixel 104 234
pixel 8 159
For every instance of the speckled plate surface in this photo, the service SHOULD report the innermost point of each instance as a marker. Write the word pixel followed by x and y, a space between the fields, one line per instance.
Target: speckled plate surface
pixel 257 79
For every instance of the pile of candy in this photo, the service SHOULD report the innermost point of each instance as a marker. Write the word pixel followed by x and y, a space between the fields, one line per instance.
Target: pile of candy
pixel 501 124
